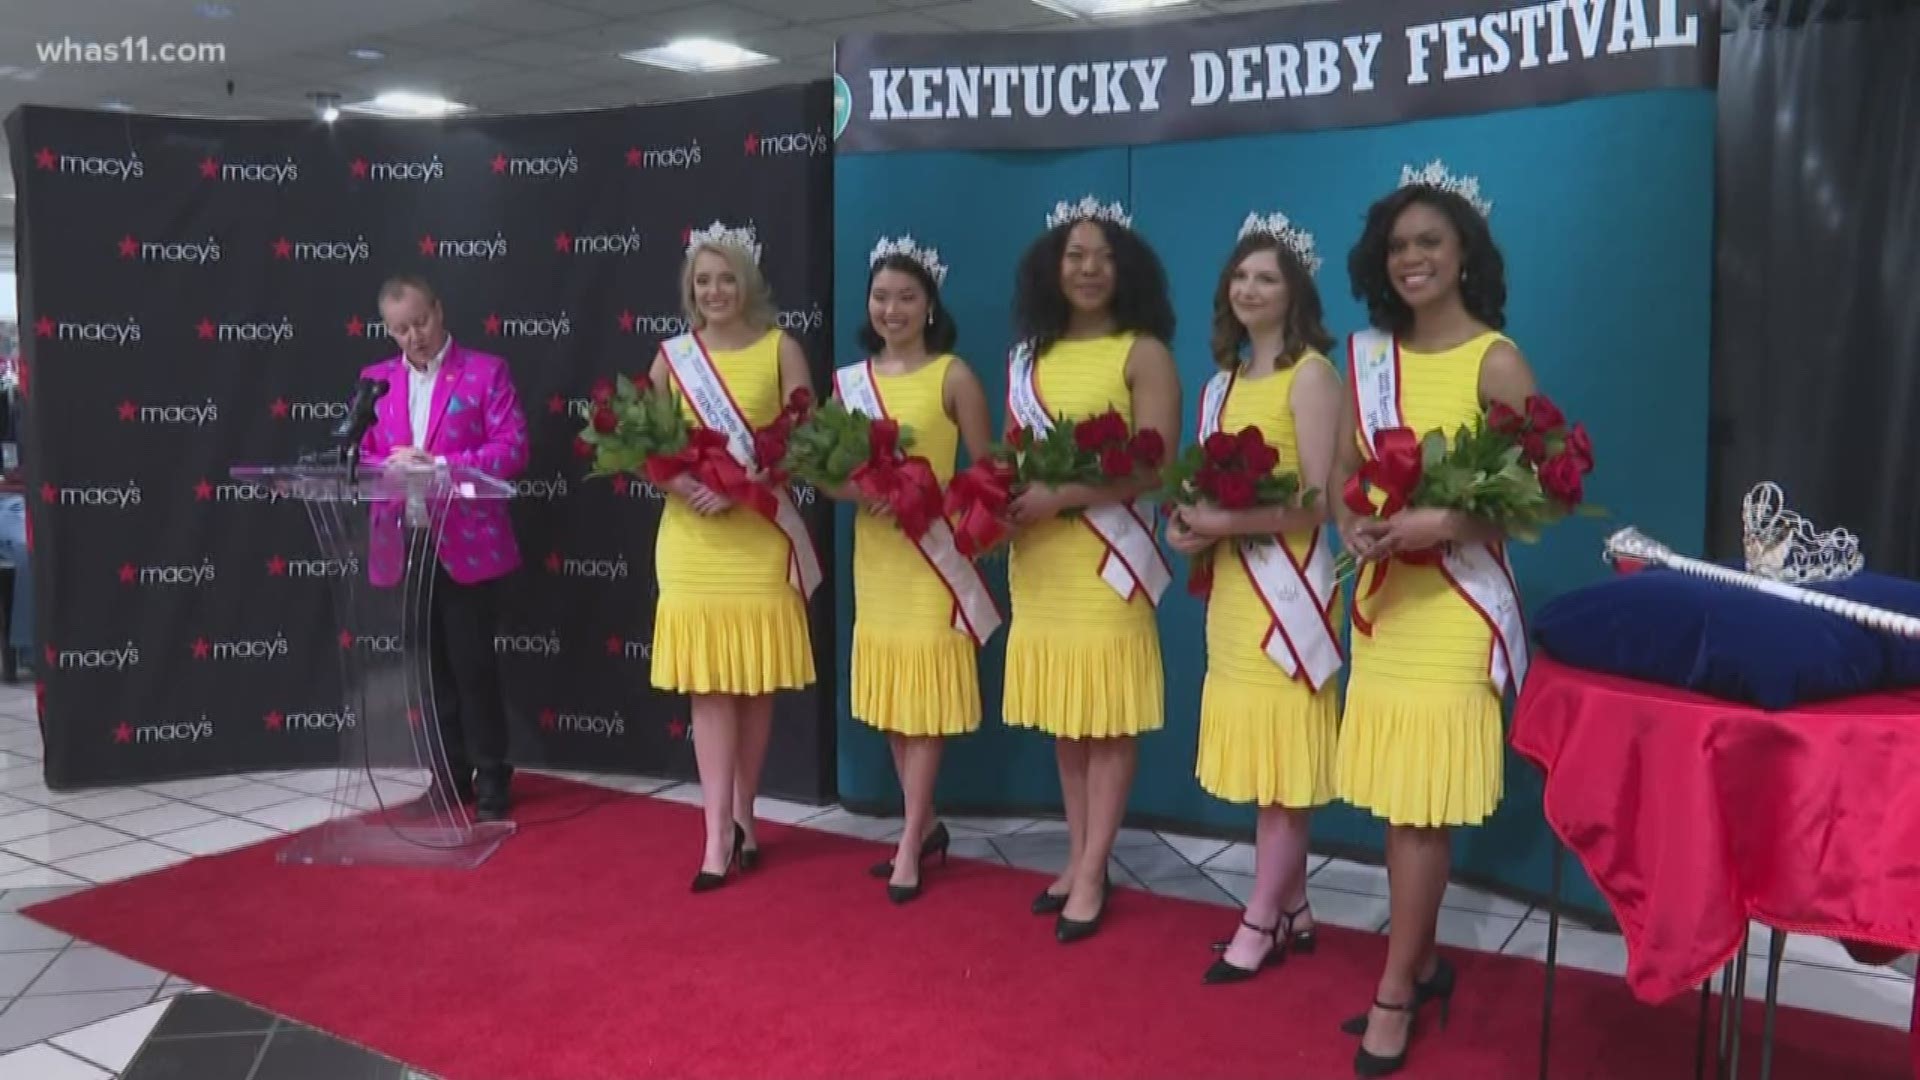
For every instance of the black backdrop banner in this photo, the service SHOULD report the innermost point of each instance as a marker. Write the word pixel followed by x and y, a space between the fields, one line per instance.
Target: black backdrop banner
pixel 201 294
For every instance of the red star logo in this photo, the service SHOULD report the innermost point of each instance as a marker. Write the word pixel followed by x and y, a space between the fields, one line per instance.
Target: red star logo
pixel 51 654
pixel 123 733
pixel 355 327
pixel 358 168
pixel 278 408
pixel 499 164
pixel 562 243
pixel 126 573
pixel 553 563
pixel 127 410
pixel 676 728
pixel 128 245
pixel 620 484
pixel 753 143
pixel 43 327
pixel 205 328
pixel 556 405
pixel 626 322
pixel 283 248
pixel 548 719
pixel 633 157
pixel 277 566
pixel 48 493
pixel 346 639
pixel 427 245
pixel 274 720
pixel 43 158
pixel 202 491
pixel 209 168
pixel 201 647
pixel 614 644
pixel 493 324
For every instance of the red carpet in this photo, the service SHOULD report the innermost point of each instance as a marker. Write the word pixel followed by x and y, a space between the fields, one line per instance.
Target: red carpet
pixel 578 953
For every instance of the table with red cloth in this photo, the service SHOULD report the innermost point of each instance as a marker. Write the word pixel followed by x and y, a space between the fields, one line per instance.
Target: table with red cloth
pixel 1693 815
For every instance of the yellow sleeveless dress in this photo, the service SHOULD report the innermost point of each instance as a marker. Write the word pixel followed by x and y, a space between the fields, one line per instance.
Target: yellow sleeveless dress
pixel 1420 739
pixel 1081 661
pixel 1265 738
pixel 727 621
pixel 913 673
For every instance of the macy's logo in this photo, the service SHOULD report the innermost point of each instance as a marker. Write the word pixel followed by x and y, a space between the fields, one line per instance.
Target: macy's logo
pixel 550 167
pixel 184 574
pixel 314 568
pixel 527 644
pixel 789 144
pixel 282 409
pixel 119 659
pixel 566 406
pixel 544 490
pixel 373 643
pixel 272 648
pixel 632 487
pixel 664 157
pixel 471 248
pixel 111 168
pixel 232 491
pixel 604 569
pixel 661 326
pixel 120 333
pixel 626 243
pixel 529 326
pixel 629 649
pixel 340 251
pixel 195 415
pixel 264 331
pixel 366 328
pixel 120 498
pixel 809 321
pixel 583 723
pixel 250 172
pixel 424 172
pixel 155 251
pixel 291 722
pixel 187 731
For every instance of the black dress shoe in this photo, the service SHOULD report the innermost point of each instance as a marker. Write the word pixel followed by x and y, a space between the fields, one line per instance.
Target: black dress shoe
pixel 1222 972
pixel 748 857
pixel 1048 903
pixel 937 842
pixel 704 881
pixel 491 812
pixel 1067 931
pixel 1437 987
pixel 1370 1066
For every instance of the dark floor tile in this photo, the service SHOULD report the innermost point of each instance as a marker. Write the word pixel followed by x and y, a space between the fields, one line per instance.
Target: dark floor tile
pixel 210 1057
pixel 296 1053
pixel 211 1014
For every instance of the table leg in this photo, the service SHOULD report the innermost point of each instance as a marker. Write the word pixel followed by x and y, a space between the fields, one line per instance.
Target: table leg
pixel 1726 1021
pixel 1553 956
pixel 1700 1030
pixel 1739 1001
pixel 1776 951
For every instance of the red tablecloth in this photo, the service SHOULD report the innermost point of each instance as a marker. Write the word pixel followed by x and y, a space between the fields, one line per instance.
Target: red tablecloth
pixel 1693 815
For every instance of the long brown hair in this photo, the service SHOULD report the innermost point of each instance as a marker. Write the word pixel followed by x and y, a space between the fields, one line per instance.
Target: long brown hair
pixel 1304 326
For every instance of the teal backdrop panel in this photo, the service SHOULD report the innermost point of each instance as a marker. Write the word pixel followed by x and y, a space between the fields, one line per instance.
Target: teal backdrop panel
pixel 981 211
pixel 1603 209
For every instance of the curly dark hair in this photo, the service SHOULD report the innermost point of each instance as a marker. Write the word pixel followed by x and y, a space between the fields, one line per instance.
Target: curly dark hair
pixel 1483 284
pixel 1140 301
pixel 1305 329
pixel 942 333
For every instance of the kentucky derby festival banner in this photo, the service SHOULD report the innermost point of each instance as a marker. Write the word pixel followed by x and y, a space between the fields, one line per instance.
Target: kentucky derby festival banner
pixel 1304 68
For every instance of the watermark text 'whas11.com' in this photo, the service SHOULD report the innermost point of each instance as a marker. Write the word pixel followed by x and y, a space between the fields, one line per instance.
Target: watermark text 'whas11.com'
pixel 129 50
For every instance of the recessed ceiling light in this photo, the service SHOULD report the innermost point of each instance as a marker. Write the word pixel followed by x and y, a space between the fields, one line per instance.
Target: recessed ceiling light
pixel 1100 9
pixel 364 53
pixel 214 11
pixel 405 103
pixel 116 106
pixel 698 54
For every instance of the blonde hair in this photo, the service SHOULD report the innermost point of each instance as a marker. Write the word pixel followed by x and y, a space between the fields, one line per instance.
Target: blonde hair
pixel 756 296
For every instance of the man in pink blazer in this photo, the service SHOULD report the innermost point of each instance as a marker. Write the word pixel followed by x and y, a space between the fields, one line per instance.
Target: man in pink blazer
pixel 450 405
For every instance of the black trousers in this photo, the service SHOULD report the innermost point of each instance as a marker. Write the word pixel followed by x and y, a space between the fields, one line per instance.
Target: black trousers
pixel 466 687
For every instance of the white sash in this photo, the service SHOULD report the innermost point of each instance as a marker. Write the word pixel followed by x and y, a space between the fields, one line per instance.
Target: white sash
pixel 1133 561
pixel 974 612
pixel 1478 572
pixel 1300 637
pixel 693 369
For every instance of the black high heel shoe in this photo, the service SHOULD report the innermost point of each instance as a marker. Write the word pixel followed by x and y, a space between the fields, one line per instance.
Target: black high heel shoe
pixel 1067 931
pixel 706 881
pixel 1306 941
pixel 936 843
pixel 748 857
pixel 1437 987
pixel 1052 903
pixel 1222 972
pixel 1370 1065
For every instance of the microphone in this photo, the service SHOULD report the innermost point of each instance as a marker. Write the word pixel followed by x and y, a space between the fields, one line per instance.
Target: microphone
pixel 360 412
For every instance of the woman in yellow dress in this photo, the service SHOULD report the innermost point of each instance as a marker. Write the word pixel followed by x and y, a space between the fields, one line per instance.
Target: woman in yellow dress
pixel 1083 651
pixel 730 628
pixel 1420 740
pixel 1269 710
pixel 920 611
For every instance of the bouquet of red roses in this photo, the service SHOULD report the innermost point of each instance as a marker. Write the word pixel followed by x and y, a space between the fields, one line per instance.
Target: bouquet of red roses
pixel 1520 471
pixel 630 422
pixel 837 446
pixel 1233 472
pixel 1101 449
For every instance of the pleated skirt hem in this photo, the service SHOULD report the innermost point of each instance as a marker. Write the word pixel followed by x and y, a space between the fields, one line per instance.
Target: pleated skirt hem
pixel 733 645
pixel 1084 688
pixel 1267 746
pixel 1422 755
pixel 918 685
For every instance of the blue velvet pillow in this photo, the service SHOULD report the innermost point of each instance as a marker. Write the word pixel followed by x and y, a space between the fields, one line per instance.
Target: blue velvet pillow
pixel 1673 629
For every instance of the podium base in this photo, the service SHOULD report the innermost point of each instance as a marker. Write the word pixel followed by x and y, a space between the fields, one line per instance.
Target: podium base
pixel 393 841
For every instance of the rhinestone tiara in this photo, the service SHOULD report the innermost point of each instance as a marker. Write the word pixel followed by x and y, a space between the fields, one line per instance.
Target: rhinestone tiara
pixel 720 235
pixel 1088 209
pixel 1295 239
pixel 1783 546
pixel 928 258
pixel 1434 174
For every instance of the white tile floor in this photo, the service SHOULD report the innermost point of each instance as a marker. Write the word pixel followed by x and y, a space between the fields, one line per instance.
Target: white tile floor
pixel 71 1010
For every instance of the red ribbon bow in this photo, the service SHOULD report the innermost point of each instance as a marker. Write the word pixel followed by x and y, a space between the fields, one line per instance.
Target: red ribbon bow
pixel 1394 469
pixel 977 501
pixel 708 461
pixel 906 486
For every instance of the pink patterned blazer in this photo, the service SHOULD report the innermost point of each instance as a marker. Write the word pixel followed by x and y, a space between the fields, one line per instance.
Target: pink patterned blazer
pixel 475 422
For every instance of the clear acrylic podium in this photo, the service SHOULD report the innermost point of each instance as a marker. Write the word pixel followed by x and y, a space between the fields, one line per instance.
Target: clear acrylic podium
pixel 379 532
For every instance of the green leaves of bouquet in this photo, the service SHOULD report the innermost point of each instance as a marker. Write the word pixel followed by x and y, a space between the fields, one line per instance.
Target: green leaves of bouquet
pixel 630 420
pixel 833 442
